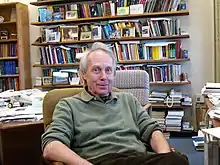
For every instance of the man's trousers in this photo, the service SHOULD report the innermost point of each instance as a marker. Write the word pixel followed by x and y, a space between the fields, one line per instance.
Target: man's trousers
pixel 171 158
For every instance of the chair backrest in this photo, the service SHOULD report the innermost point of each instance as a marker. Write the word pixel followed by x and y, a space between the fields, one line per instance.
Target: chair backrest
pixel 52 98
pixel 135 82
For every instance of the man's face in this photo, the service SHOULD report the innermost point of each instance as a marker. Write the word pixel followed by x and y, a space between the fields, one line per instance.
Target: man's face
pixel 100 73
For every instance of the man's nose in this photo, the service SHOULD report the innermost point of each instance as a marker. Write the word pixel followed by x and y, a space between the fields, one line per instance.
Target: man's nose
pixel 103 74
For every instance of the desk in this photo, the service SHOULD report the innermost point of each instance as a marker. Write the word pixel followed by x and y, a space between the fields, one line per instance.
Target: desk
pixel 215 121
pixel 20 143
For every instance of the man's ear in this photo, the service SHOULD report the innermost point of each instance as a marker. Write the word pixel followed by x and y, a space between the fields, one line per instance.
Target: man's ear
pixel 82 77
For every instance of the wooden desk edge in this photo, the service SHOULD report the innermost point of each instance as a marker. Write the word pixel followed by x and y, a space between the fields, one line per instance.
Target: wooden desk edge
pixel 18 124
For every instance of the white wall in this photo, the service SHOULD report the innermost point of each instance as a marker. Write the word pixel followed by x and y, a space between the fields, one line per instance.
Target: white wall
pixel 201 43
pixel 200 26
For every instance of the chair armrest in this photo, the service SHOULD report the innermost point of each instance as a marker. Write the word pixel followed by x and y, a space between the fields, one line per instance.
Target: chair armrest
pixel 57 163
pixel 148 108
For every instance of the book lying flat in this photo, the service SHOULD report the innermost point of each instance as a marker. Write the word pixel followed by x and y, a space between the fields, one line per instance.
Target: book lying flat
pixel 198 142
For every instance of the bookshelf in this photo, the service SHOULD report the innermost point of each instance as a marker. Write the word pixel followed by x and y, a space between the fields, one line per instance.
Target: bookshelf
pixel 106 18
pixel 14 47
pixel 84 19
pixel 159 22
pixel 37 43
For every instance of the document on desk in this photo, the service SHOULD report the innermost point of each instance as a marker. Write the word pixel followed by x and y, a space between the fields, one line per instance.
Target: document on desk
pixel 19 113
pixel 215 132
pixel 215 113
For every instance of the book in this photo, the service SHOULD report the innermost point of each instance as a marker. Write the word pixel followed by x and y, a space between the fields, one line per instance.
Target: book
pixel 198 142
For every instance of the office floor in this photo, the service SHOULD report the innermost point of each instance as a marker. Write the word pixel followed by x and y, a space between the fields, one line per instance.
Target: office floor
pixel 184 145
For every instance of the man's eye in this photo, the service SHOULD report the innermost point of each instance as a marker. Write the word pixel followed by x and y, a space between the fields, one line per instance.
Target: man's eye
pixel 108 70
pixel 96 70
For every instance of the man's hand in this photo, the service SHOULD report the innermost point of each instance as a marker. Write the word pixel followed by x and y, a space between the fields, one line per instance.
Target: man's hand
pixel 85 162
pixel 58 152
pixel 158 142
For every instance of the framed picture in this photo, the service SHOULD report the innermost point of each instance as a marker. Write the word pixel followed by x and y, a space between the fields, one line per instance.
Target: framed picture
pixel 52 34
pixel 60 78
pixel 71 14
pixel 86 35
pixel 46 80
pixel 97 33
pixel 115 34
pixel 128 32
pixel 69 33
pixel 4 35
pixel 145 31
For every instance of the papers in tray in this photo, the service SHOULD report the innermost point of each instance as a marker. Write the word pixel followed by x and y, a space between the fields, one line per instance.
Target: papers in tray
pixel 215 132
pixel 21 113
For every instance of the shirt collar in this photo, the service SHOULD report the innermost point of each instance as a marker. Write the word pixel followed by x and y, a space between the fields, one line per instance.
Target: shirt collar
pixel 86 96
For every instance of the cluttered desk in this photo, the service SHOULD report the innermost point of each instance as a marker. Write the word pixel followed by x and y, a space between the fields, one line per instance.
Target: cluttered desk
pixel 21 127
pixel 212 132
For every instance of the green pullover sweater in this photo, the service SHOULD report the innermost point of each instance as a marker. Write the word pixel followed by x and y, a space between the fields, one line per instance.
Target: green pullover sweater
pixel 92 128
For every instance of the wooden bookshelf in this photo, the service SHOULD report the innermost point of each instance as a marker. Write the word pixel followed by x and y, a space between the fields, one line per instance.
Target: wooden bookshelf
pixel 171 83
pixel 36 43
pixel 69 86
pixel 153 61
pixel 9 75
pixel 9 4
pixel 8 23
pixel 56 65
pixel 93 19
pixel 154 105
pixel 54 2
pixel 8 58
pixel 9 40
pixel 59 86
pixel 120 62
pixel 19 26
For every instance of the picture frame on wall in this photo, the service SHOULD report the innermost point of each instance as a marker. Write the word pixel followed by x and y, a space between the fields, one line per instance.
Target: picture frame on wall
pixel 86 35
pixel 128 32
pixel 47 80
pixel 4 35
pixel 60 78
pixel 69 33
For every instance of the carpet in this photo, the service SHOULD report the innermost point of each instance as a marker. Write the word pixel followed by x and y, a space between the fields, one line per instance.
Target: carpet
pixel 185 146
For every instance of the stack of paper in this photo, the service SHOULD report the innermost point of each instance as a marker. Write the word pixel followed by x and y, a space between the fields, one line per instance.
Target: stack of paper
pixel 210 88
pixel 20 114
pixel 198 141
pixel 174 120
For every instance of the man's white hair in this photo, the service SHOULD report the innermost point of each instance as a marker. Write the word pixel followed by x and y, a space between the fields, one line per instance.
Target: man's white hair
pixel 96 46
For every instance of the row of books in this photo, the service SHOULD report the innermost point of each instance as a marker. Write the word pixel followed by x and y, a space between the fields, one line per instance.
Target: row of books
pixel 158 73
pixel 8 50
pixel 171 97
pixel 132 50
pixel 8 67
pixel 112 29
pixel 171 121
pixel 135 50
pixel 48 72
pixel 163 5
pixel 9 83
pixel 108 8
pixel 60 54
pixel 73 11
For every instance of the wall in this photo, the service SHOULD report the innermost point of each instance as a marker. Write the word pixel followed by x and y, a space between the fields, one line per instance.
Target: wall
pixel 201 44
pixel 199 24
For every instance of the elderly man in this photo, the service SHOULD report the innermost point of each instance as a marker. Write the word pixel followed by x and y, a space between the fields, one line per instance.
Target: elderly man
pixel 102 127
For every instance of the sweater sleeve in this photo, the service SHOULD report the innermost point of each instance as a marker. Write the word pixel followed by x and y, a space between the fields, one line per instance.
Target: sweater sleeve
pixel 145 123
pixel 61 127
